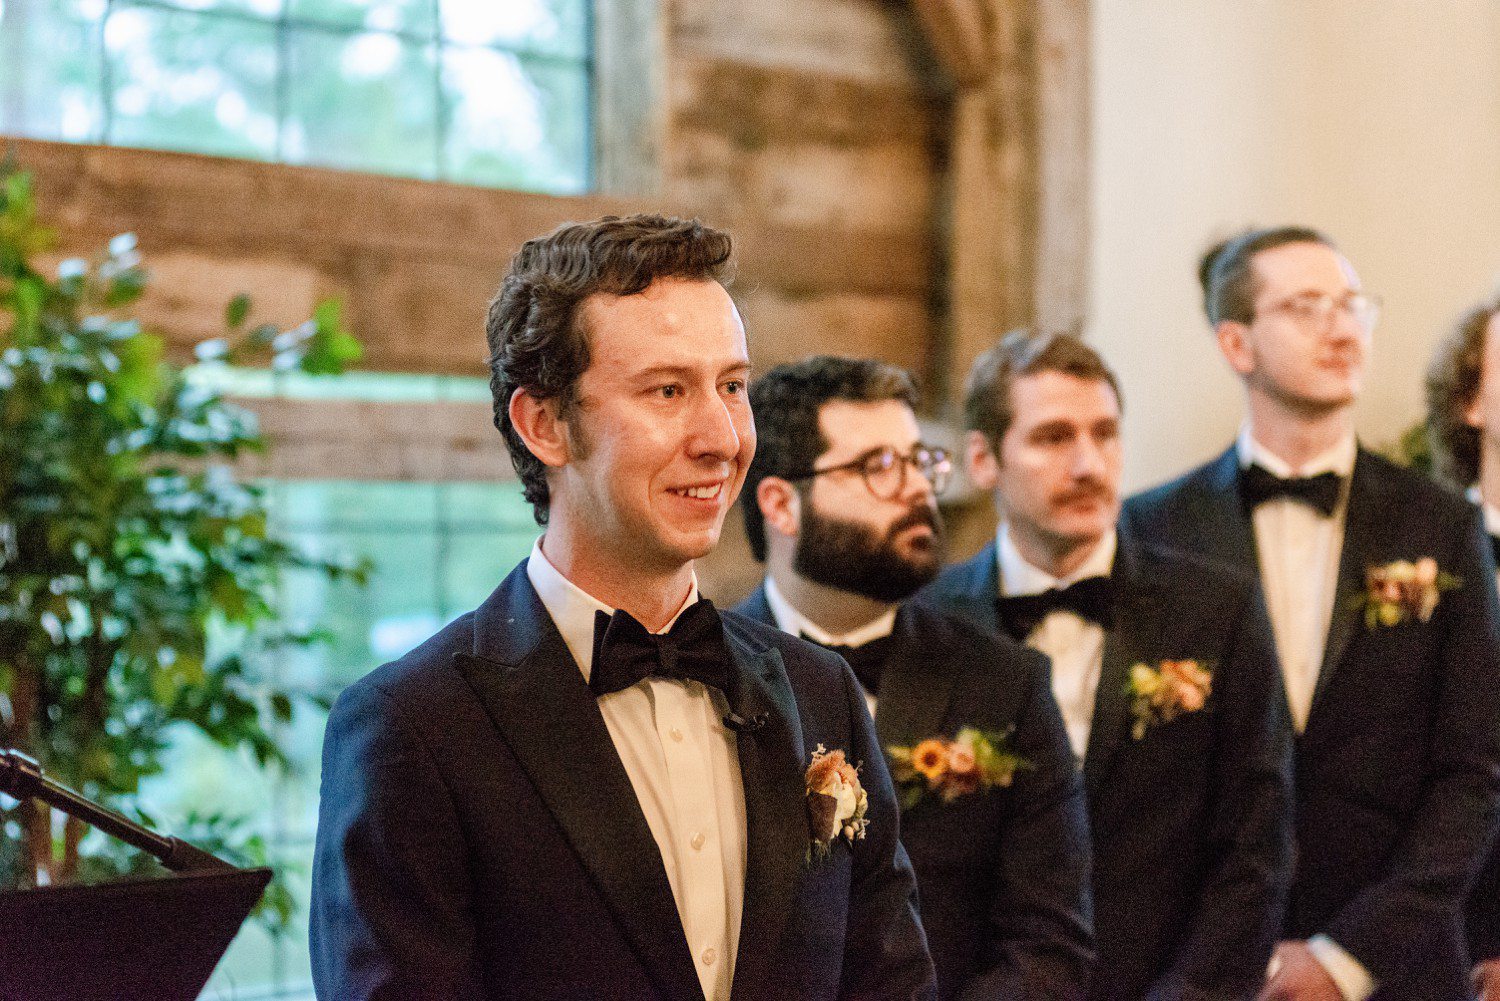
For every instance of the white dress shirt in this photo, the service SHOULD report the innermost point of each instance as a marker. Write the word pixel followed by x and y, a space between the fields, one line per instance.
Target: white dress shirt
pixel 1075 644
pixel 684 767
pixel 789 620
pixel 1299 550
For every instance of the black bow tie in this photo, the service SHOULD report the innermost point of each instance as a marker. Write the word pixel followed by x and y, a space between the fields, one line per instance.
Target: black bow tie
pixel 867 659
pixel 692 650
pixel 1093 598
pixel 1320 492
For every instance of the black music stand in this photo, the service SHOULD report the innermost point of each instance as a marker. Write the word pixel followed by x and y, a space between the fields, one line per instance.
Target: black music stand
pixel 132 940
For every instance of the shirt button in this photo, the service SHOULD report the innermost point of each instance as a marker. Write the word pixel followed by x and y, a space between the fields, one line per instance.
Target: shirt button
pixel 697 842
pixel 709 955
pixel 676 733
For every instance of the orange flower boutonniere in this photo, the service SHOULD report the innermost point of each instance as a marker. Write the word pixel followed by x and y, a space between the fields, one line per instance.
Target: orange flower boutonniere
pixel 836 801
pixel 1161 694
pixel 1403 590
pixel 971 761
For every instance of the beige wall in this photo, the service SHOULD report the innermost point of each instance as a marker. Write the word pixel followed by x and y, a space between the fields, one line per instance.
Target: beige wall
pixel 1376 120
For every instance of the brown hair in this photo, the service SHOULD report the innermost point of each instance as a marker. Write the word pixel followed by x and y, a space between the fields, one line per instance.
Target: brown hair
pixel 1452 383
pixel 536 338
pixel 987 403
pixel 787 402
pixel 1227 274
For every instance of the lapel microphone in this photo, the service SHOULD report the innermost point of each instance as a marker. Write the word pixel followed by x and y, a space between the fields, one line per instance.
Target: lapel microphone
pixel 740 724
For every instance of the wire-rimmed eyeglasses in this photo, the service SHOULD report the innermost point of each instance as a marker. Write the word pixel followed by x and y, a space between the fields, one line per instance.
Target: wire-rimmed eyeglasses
pixel 884 469
pixel 1315 309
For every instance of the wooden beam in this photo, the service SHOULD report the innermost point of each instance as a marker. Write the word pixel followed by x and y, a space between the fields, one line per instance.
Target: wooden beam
pixel 1064 124
pixel 959 38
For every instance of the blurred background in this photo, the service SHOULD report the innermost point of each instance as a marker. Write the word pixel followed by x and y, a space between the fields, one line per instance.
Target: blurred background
pixel 903 178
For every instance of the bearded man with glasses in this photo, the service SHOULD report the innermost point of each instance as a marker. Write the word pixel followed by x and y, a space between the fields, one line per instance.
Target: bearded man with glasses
pixel 1380 586
pixel 840 504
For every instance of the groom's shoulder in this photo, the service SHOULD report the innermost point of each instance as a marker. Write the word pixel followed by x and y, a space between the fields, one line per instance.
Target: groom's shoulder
pixel 425 672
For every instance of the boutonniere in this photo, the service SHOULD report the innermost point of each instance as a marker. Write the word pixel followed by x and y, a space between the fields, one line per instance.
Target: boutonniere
pixel 971 761
pixel 836 802
pixel 1402 590
pixel 1161 694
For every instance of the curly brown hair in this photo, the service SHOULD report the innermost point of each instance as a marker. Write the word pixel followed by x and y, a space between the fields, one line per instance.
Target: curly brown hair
pixel 536 337
pixel 1452 384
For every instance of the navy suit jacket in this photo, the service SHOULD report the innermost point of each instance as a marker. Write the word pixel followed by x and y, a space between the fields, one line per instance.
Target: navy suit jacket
pixel 479 838
pixel 1191 827
pixel 1003 874
pixel 1398 769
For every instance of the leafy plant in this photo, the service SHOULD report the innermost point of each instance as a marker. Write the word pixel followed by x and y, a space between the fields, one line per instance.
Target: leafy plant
pixel 127 541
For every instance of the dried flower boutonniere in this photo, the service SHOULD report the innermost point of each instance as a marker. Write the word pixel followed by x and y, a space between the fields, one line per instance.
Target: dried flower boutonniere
pixel 971 761
pixel 836 802
pixel 1402 590
pixel 1161 694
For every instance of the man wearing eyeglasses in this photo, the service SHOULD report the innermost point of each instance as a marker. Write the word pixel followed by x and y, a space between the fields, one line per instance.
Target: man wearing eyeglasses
pixel 1163 667
pixel 840 504
pixel 1380 589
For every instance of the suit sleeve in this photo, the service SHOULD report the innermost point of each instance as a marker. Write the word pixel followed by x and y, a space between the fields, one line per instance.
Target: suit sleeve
pixel 391 906
pixel 1040 940
pixel 885 948
pixel 1243 899
pixel 1429 875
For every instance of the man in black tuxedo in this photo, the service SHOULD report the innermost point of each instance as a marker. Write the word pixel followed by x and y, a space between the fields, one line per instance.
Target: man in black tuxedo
pixel 840 505
pixel 592 785
pixel 1163 668
pixel 1463 425
pixel 1380 589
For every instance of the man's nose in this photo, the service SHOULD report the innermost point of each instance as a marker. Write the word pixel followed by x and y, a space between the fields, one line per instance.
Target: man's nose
pixel 715 433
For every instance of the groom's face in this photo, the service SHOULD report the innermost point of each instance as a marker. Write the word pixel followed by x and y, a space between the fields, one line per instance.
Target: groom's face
pixel 662 434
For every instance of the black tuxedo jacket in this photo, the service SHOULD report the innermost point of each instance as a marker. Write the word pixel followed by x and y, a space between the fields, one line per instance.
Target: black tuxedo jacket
pixel 1484 899
pixel 479 838
pixel 1003 874
pixel 1398 769
pixel 1190 823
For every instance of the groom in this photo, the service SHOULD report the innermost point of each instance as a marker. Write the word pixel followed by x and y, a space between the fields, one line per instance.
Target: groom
pixel 594 785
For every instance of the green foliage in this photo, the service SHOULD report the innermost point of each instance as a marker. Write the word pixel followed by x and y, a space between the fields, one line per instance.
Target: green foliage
pixel 127 539
pixel 1413 448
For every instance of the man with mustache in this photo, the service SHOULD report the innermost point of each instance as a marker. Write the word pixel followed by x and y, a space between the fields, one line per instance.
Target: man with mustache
pixel 1381 590
pixel 1163 667
pixel 840 505
pixel 594 785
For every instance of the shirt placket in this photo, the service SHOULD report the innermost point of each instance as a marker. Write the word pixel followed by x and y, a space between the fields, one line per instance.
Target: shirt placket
pixel 682 726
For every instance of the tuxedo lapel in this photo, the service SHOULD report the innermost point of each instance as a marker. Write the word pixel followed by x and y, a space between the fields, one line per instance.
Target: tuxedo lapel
pixel 972 589
pixel 1362 523
pixel 535 694
pixel 1222 519
pixel 772 758
pixel 915 692
pixel 1124 646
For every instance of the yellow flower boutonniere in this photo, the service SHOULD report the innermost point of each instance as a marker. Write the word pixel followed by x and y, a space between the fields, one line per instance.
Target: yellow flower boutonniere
pixel 1403 590
pixel 1161 694
pixel 971 761
pixel 836 801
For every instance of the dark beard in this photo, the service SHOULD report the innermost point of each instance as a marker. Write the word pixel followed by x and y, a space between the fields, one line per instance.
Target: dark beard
pixel 850 556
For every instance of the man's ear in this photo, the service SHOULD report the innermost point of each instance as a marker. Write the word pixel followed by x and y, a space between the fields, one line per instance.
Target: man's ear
pixel 979 459
pixel 1234 343
pixel 780 505
pixel 536 421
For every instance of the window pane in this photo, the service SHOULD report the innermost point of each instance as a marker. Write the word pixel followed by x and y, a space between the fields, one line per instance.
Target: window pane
pixel 555 27
pixel 50 69
pixel 515 122
pixel 192 82
pixel 265 10
pixel 410 17
pixel 363 101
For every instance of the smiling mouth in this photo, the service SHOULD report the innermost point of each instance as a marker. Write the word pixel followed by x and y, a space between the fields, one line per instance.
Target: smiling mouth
pixel 700 493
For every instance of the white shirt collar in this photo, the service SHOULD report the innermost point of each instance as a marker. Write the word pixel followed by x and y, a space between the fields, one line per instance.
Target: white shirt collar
pixel 1491 512
pixel 1018 576
pixel 789 620
pixel 1338 459
pixel 572 608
